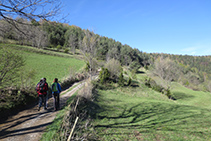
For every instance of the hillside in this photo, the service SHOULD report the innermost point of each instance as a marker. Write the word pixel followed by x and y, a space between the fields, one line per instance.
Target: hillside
pixel 167 99
pixel 44 63
pixel 38 63
pixel 139 113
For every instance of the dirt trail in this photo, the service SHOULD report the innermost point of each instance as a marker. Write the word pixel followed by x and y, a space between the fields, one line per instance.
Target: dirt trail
pixel 30 124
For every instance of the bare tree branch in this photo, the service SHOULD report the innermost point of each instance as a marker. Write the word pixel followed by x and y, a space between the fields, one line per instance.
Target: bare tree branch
pixel 10 10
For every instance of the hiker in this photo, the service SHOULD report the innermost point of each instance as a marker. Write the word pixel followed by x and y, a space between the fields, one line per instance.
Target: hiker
pixel 42 88
pixel 56 89
pixel 47 95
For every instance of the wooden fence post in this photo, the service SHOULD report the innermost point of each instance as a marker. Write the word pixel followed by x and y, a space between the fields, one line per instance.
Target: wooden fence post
pixel 72 130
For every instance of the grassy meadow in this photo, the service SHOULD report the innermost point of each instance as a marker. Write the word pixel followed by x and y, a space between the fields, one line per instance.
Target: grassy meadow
pixel 139 113
pixel 44 63
pixel 39 63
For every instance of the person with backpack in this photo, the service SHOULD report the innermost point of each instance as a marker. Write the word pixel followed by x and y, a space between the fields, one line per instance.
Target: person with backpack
pixel 56 90
pixel 42 88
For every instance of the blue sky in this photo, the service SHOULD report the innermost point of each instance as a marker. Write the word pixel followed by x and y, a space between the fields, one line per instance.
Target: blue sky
pixel 152 26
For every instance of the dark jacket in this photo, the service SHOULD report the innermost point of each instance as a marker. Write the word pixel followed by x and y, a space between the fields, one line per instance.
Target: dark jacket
pixel 42 88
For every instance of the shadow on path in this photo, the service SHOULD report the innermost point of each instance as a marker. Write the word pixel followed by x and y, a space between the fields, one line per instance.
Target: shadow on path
pixel 31 123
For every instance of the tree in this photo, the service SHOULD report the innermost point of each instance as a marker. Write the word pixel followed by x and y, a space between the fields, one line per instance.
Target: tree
pixel 28 9
pixel 167 70
pixel 71 39
pixel 114 67
pixel 114 51
pixel 104 75
pixel 31 10
pixel 88 49
pixel 39 37
pixel 56 32
pixel 10 64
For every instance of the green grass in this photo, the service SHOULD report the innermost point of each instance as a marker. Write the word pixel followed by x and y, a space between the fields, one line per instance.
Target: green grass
pixel 51 66
pixel 52 130
pixel 38 64
pixel 189 97
pixel 139 113
pixel 47 63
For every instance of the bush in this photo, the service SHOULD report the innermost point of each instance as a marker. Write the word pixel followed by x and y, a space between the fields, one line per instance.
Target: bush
pixel 114 67
pixel 59 47
pixel 66 50
pixel 10 65
pixel 152 84
pixel 121 80
pixel 104 75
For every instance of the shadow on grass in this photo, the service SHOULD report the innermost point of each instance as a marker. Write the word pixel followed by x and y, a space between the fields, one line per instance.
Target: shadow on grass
pixel 179 95
pixel 154 116
pixel 140 72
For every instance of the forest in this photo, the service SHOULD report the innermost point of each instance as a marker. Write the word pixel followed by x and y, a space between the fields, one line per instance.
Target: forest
pixel 192 71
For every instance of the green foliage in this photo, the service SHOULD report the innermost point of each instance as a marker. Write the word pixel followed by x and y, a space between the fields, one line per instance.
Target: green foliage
pixel 106 48
pixel 129 81
pixel 133 73
pixel 27 77
pixel 56 32
pixel 10 64
pixel 186 83
pixel 73 36
pixel 121 80
pixel 104 75
pixel 152 84
pixel 87 66
pixel 134 66
pixel 66 50
pixel 59 47
pixel 35 23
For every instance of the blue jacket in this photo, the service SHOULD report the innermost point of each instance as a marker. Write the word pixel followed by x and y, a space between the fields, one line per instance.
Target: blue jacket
pixel 58 90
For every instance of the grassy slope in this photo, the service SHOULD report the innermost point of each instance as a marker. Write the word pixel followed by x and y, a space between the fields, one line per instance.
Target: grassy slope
pixel 51 66
pixel 189 97
pixel 137 113
pixel 141 114
pixel 44 65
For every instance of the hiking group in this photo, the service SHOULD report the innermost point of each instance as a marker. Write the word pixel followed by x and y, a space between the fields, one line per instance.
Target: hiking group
pixel 43 92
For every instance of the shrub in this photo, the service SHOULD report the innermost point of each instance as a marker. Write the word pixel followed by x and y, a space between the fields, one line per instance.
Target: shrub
pixel 87 66
pixel 66 50
pixel 10 65
pixel 133 73
pixel 121 80
pixel 59 47
pixel 104 75
pixel 135 66
pixel 129 81
pixel 114 67
pixel 152 84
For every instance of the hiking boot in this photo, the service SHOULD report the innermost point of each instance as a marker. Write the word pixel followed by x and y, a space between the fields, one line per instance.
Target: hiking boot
pixel 38 108
pixel 45 108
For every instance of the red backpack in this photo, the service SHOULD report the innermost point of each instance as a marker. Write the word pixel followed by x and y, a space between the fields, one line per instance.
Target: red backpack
pixel 39 86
